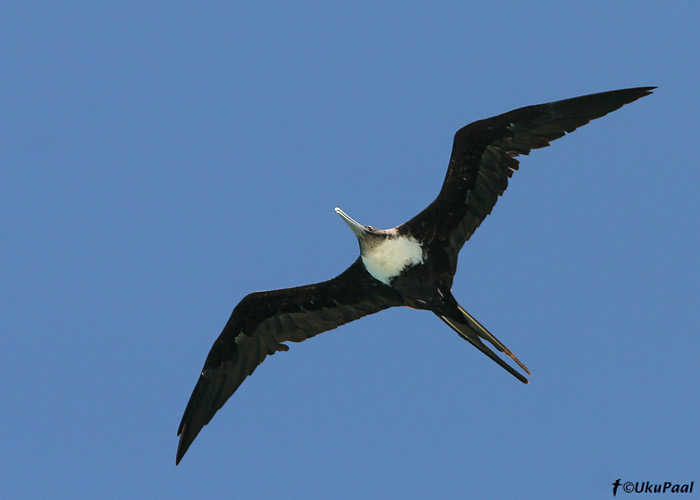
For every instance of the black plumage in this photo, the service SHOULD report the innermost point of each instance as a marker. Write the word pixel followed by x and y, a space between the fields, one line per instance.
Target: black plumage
pixel 482 161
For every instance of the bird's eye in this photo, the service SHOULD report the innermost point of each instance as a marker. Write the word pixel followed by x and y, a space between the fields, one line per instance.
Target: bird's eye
pixel 369 228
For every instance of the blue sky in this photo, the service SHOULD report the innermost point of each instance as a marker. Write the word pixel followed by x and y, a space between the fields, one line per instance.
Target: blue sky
pixel 160 160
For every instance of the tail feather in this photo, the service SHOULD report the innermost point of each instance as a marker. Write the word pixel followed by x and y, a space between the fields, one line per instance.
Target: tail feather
pixel 482 332
pixel 472 331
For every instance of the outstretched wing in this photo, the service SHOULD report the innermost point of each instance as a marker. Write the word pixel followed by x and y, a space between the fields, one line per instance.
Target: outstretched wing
pixel 260 324
pixel 483 158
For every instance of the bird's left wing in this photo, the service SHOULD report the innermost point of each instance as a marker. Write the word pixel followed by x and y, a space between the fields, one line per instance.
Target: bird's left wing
pixel 484 157
pixel 260 324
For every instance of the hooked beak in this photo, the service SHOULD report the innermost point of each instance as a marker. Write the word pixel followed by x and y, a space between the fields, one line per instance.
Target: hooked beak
pixel 356 227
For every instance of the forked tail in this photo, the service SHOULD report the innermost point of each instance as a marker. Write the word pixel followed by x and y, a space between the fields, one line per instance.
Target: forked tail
pixel 471 330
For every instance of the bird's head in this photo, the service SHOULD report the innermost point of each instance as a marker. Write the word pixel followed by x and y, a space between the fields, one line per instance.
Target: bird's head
pixel 368 236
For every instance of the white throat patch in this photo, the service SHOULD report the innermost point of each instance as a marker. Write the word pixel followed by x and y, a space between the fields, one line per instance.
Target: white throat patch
pixel 386 260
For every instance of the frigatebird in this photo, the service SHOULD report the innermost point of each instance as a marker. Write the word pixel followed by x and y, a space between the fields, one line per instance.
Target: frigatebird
pixel 409 265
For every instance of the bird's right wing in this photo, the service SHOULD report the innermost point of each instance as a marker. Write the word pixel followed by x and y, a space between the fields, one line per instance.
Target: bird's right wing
pixel 260 324
pixel 483 158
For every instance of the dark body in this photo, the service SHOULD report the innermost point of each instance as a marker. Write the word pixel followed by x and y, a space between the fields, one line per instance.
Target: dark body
pixel 410 265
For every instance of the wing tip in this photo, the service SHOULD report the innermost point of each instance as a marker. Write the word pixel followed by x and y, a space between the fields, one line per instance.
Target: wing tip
pixel 195 417
pixel 639 92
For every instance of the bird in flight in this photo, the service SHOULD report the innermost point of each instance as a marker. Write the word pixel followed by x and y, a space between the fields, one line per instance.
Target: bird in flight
pixel 412 264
